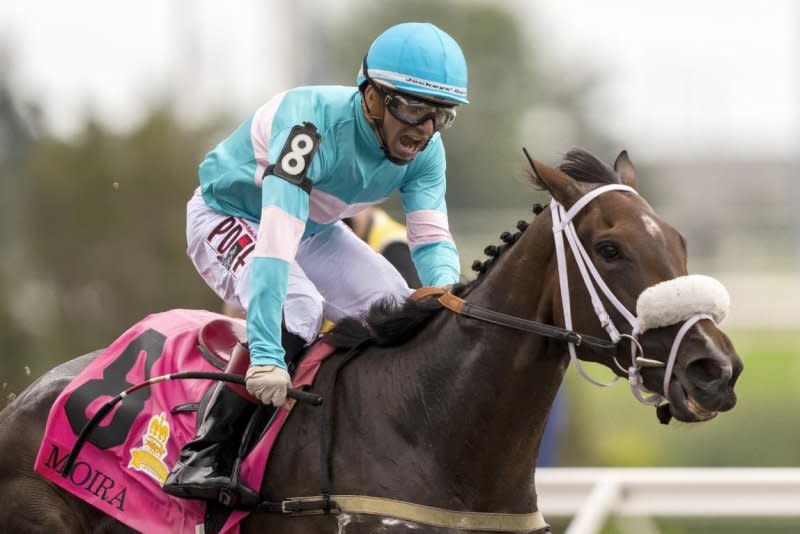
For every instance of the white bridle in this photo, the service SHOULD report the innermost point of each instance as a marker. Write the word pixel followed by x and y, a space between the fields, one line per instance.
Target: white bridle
pixel 686 299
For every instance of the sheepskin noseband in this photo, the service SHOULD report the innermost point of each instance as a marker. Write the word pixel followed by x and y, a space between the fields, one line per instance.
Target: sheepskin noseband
pixel 674 301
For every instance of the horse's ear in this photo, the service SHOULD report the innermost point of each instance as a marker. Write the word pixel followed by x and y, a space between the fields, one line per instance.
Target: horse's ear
pixel 625 169
pixel 563 188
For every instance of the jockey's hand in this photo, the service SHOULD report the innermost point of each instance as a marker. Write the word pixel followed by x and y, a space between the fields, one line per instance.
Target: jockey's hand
pixel 268 383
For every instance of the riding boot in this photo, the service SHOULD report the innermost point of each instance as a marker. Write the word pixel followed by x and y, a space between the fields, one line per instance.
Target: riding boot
pixel 203 469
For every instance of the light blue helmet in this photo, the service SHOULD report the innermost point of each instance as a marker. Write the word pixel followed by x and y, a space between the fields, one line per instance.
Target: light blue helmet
pixel 419 59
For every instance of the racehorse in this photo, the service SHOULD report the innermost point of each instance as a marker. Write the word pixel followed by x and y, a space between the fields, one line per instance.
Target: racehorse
pixel 446 407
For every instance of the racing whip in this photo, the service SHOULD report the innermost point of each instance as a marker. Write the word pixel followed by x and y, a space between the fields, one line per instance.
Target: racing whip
pixel 296 394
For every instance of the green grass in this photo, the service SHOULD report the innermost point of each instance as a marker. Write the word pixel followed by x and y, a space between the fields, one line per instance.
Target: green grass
pixel 608 427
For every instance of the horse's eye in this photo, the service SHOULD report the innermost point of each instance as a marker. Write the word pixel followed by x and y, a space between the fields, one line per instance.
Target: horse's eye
pixel 608 250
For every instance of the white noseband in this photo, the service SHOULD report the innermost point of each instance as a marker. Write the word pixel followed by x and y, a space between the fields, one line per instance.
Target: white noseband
pixel 674 301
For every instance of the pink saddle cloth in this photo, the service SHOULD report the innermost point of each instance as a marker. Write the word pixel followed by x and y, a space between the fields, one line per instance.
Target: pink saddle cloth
pixel 123 465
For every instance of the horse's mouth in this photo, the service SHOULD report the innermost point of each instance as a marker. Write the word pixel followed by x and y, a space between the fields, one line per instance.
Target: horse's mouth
pixel 683 405
pixel 686 408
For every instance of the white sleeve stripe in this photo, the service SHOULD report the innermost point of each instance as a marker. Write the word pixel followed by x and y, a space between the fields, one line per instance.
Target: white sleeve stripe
pixel 325 208
pixel 279 234
pixel 260 132
pixel 427 226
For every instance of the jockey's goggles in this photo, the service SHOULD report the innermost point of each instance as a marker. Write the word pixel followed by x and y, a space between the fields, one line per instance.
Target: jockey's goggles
pixel 411 110
pixel 415 112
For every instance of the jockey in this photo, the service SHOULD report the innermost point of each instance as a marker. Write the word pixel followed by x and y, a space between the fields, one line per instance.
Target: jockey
pixel 264 228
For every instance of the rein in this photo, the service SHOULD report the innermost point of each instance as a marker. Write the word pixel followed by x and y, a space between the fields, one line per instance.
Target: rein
pixel 462 307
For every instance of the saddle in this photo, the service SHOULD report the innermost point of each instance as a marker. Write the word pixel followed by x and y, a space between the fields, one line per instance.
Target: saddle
pixel 218 337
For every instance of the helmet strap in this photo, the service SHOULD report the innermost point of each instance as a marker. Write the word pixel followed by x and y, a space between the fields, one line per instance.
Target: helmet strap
pixel 378 122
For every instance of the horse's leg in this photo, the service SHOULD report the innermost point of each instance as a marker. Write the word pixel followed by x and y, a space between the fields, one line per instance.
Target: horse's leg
pixel 28 502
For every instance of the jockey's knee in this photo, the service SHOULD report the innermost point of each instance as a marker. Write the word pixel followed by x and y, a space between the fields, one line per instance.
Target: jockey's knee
pixel 304 316
pixel 395 290
pixel 399 290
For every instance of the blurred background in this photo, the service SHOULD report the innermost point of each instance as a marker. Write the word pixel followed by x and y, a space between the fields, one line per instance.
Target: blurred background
pixel 107 108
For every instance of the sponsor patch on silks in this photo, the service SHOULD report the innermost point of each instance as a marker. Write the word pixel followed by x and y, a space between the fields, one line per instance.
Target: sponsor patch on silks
pixel 234 257
pixel 123 464
pixel 232 241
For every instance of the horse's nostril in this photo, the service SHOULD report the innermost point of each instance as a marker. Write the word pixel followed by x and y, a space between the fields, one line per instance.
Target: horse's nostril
pixel 705 370
pixel 736 372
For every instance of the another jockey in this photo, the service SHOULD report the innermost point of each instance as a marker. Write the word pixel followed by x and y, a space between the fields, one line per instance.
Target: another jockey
pixel 264 228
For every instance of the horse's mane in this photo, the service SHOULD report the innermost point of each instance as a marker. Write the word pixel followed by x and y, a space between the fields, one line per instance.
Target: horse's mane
pixel 390 323
pixel 386 323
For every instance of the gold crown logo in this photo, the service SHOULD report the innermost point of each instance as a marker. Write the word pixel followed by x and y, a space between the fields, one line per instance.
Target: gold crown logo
pixel 157 435
pixel 150 457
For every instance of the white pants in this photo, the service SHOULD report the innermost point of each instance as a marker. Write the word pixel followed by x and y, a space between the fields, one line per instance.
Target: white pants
pixel 334 275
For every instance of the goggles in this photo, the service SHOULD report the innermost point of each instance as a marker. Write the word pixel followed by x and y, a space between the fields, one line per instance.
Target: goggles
pixel 410 110
pixel 415 112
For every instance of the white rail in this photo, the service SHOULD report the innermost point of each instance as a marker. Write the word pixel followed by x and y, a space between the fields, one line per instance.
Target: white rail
pixel 590 495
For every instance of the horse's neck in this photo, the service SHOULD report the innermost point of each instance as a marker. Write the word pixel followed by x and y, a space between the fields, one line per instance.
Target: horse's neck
pixel 493 408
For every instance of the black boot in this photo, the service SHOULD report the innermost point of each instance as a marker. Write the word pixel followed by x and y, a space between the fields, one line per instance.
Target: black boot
pixel 205 464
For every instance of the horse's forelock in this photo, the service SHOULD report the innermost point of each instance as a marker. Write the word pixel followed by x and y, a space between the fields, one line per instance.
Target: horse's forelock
pixel 583 166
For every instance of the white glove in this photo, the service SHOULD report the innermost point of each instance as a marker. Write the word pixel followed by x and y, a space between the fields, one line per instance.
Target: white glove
pixel 268 383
